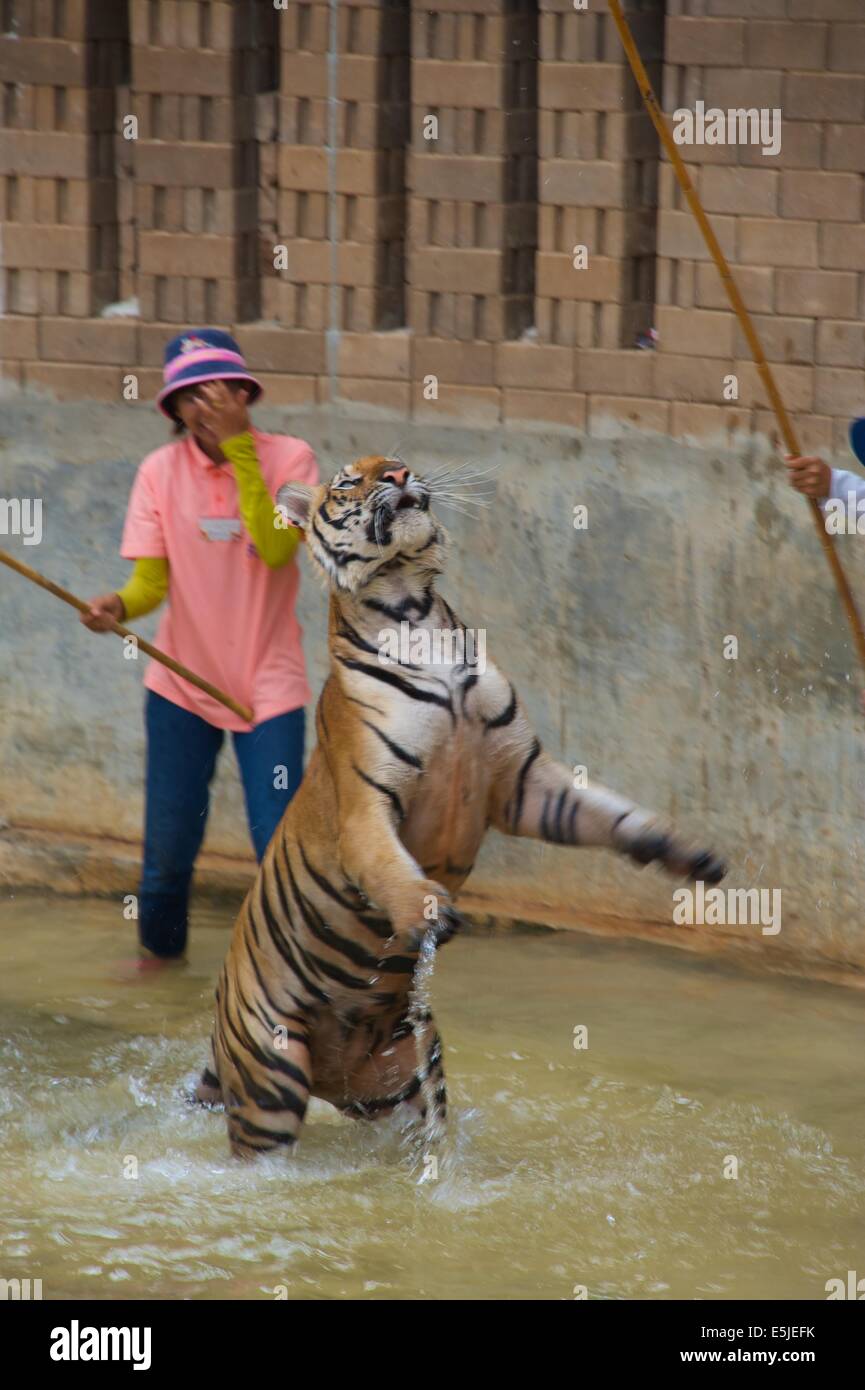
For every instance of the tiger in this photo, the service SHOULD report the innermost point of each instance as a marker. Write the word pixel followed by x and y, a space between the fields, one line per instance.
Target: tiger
pixel 414 761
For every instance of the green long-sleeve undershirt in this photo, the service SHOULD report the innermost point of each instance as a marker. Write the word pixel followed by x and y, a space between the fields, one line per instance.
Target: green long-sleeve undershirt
pixel 147 586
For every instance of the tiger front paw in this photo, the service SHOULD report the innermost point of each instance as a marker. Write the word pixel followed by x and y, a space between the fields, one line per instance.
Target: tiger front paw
pixel 651 845
pixel 439 929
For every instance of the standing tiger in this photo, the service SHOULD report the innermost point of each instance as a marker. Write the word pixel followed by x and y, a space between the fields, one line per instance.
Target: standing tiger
pixel 414 762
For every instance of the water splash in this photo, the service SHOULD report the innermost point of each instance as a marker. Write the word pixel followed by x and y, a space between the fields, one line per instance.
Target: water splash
pixel 434 1129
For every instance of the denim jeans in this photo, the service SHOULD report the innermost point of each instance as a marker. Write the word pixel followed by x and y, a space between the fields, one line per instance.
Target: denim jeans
pixel 182 750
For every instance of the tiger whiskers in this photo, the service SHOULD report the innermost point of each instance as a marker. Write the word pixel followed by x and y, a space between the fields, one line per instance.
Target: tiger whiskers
pixel 461 495
pixel 464 506
pixel 459 472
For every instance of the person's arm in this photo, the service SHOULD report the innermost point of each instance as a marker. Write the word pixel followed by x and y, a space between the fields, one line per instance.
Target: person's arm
pixel 842 484
pixel 145 588
pixel 275 546
pixel 143 591
pixel 816 479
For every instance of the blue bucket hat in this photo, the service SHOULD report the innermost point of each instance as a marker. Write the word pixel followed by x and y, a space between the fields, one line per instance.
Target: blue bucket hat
pixel 857 438
pixel 202 354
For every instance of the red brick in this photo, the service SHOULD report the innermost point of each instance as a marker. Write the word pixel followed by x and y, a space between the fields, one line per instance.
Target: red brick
pixel 814 432
pixel 821 196
pixel 456 271
pixel 615 417
pixel 42 155
pixel 801 147
pixel 202 73
pixel 746 9
pixel 837 391
pixel 785 45
pixel 375 355
pixel 475 85
pixel 171 254
pixel 766 241
pixel 458 177
pixel 732 88
pixel 829 9
pixel 358 78
pixel 47 62
pixel 842 247
pixel 844 148
pixel 705 333
pixel 679 236
pixel 703 422
pixel 476 405
pixel 312 262
pixel 306 170
pixel 184 165
pixel 756 286
pixel 841 343
pixel 824 96
pixel 273 349
pixel 626 372
pixel 70 382
pixel 556 278
pixel 739 190
pixel 847 48
pixel 17 337
pixel 705 42
pixel 391 396
pixel 784 338
pixel 468 364
pixel 823 293
pixel 534 365
pixel 551 407
pixel 47 248
pixel 690 378
pixel 795 384
pixel 589 87
pixel 583 183
pixel 100 341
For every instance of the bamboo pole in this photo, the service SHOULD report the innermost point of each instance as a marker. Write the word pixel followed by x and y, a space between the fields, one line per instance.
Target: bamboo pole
pixel 147 647
pixel 787 430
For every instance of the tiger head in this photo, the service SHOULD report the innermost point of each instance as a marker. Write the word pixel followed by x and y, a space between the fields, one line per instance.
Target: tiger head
pixel 372 519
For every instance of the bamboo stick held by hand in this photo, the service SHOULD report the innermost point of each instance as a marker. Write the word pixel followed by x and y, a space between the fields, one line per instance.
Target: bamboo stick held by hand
pixel 146 647
pixel 788 432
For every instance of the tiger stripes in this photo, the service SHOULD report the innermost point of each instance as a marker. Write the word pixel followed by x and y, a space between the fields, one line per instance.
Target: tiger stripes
pixel 414 761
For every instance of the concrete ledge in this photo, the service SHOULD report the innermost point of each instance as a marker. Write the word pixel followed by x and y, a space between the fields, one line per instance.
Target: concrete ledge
pixel 46 862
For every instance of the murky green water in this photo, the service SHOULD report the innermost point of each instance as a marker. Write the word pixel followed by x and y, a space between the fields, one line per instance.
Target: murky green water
pixel 601 1167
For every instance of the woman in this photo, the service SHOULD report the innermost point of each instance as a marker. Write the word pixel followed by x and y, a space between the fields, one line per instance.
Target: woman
pixel 200 528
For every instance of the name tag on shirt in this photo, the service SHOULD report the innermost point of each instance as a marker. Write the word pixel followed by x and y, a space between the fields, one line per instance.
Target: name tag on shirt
pixel 220 528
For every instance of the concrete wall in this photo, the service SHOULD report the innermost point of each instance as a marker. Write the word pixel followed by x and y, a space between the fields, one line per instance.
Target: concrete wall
pixel 614 636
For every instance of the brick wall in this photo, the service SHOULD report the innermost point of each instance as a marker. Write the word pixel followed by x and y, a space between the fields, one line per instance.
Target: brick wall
pixel 387 202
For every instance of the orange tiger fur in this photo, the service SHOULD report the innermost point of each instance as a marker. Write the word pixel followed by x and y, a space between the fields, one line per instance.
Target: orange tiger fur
pixel 413 764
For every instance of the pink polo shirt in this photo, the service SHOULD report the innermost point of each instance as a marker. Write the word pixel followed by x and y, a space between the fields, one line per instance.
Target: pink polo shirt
pixel 229 617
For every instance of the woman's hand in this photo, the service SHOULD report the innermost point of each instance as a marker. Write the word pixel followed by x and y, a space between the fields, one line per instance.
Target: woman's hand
pixel 809 475
pixel 104 610
pixel 223 411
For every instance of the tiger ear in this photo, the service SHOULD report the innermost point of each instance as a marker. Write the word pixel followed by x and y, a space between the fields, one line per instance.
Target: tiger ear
pixel 293 502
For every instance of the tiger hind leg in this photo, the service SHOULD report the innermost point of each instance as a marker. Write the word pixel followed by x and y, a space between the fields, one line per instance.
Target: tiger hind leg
pixel 266 1090
pixel 391 1076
